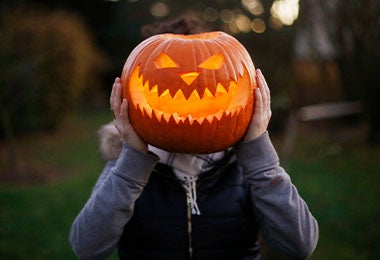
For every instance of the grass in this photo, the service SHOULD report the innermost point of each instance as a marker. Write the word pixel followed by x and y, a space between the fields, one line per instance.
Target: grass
pixel 339 181
pixel 35 219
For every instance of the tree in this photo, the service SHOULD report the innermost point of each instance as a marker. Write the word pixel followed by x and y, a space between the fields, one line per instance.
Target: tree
pixel 47 60
pixel 348 32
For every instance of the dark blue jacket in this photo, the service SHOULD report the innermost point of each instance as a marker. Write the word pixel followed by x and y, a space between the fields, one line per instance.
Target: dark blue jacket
pixel 163 228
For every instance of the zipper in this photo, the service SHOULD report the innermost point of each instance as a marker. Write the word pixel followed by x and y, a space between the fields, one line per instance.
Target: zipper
pixel 189 226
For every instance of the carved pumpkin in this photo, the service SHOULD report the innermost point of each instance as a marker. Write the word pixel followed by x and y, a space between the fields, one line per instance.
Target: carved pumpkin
pixel 190 93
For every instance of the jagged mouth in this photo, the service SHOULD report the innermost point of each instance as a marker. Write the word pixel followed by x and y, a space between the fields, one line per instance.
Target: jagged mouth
pixel 212 106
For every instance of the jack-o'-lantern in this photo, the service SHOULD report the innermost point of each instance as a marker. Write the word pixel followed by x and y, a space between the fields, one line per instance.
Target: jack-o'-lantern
pixel 190 93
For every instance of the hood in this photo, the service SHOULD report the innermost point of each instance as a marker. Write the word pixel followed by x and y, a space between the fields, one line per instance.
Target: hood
pixel 109 142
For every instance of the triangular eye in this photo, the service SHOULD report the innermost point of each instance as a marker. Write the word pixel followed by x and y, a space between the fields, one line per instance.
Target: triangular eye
pixel 215 62
pixel 164 61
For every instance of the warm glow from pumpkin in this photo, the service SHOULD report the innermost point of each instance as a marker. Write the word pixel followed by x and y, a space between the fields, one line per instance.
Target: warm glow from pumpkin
pixel 209 106
pixel 189 77
pixel 190 93
pixel 164 61
pixel 215 62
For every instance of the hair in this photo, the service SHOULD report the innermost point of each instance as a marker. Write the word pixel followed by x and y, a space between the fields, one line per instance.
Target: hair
pixel 188 23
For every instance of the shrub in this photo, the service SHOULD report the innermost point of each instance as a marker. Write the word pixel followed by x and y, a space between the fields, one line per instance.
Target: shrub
pixel 47 60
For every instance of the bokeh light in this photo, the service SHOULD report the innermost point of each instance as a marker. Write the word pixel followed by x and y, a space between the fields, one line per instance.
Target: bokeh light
pixel 275 23
pixel 227 15
pixel 159 9
pixel 232 28
pixel 258 25
pixel 243 23
pixel 285 11
pixel 253 6
pixel 210 14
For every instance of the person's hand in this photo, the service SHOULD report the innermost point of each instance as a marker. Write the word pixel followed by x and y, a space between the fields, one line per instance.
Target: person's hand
pixel 262 111
pixel 121 119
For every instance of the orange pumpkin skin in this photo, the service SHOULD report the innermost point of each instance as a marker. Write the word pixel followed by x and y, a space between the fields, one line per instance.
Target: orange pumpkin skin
pixel 190 93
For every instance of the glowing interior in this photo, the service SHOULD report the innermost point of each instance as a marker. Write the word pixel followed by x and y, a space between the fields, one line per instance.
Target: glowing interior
pixel 164 61
pixel 208 107
pixel 189 77
pixel 215 62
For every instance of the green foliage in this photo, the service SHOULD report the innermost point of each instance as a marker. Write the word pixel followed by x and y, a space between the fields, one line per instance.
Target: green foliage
pixel 47 60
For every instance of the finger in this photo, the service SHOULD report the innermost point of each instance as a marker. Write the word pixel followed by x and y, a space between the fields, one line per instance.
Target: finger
pixel 117 97
pixel 112 94
pixel 265 93
pixel 262 110
pixel 261 77
pixel 264 85
pixel 258 101
pixel 124 110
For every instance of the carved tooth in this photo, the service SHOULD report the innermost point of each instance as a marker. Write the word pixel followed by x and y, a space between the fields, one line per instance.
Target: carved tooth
pixel 233 86
pixel 140 80
pixel 166 117
pixel 179 95
pixel 191 119
pixel 219 114
pixel 220 89
pixel 140 108
pixel 158 114
pixel 200 120
pixel 208 93
pixel 166 92
pixel 148 111
pixel 144 85
pixel 195 94
pixel 210 118
pixel 227 112
pixel 234 112
pixel 136 106
pixel 176 117
pixel 140 77
pixel 154 89
pixel 238 110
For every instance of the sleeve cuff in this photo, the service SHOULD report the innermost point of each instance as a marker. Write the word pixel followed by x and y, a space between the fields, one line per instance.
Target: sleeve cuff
pixel 256 153
pixel 134 164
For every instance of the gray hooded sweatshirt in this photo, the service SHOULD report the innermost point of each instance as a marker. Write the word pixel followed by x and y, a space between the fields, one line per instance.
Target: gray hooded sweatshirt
pixel 285 221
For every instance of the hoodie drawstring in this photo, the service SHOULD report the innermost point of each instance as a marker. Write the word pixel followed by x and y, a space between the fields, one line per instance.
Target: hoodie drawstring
pixel 190 187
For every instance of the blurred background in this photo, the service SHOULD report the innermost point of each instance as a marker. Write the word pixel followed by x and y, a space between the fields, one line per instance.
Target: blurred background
pixel 58 60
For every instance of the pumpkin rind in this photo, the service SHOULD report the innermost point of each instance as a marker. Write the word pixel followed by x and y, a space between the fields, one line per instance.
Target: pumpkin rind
pixel 203 69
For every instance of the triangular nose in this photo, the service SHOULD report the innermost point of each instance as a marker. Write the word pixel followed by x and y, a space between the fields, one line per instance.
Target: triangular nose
pixel 188 78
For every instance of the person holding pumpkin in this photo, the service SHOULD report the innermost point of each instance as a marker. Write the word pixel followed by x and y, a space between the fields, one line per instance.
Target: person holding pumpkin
pixel 151 203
